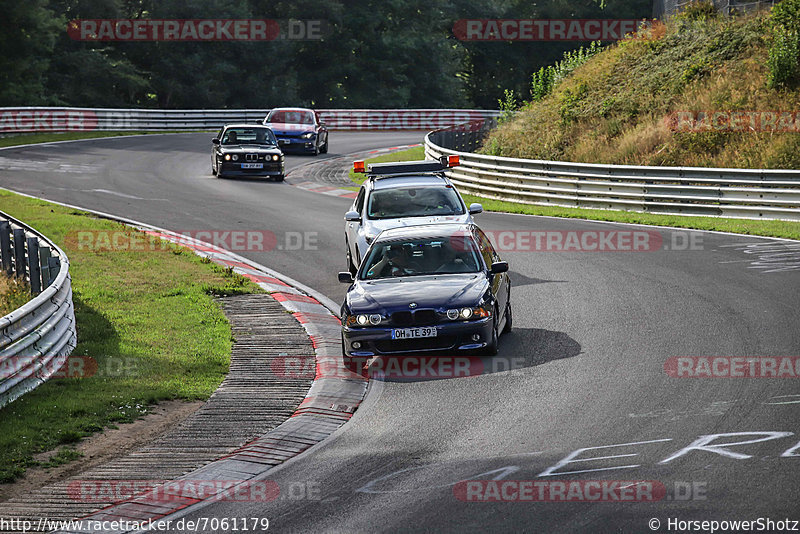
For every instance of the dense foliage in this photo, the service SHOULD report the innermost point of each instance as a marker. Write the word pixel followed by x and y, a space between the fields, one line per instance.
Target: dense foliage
pixel 378 53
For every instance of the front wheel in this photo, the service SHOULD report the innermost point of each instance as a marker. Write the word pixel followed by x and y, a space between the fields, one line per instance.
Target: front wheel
pixel 350 266
pixel 325 149
pixel 509 320
pixel 491 348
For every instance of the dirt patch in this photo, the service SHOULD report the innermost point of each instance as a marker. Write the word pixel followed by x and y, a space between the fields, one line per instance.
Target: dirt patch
pixel 103 447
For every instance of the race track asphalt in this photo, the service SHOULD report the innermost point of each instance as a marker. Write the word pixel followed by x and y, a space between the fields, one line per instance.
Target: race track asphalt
pixel 584 367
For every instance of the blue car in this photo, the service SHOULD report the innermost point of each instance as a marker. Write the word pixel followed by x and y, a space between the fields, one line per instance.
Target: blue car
pixel 426 288
pixel 298 130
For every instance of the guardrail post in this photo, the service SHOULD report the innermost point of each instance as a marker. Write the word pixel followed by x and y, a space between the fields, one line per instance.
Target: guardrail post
pixel 55 266
pixel 5 246
pixel 44 255
pixel 33 266
pixel 19 253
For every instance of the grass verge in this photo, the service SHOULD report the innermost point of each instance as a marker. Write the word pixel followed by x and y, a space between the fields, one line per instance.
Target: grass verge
pixel 148 330
pixel 13 294
pixel 785 229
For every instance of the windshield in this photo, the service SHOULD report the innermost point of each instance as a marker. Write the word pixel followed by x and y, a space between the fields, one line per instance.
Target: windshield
pixel 414 202
pixel 415 257
pixel 292 117
pixel 250 136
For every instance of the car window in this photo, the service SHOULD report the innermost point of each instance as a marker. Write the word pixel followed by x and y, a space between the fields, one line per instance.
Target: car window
pixel 414 202
pixel 448 255
pixel 257 136
pixel 486 248
pixel 292 117
pixel 360 200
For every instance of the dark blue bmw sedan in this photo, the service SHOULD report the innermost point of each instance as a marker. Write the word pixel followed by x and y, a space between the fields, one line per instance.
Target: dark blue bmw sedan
pixel 427 288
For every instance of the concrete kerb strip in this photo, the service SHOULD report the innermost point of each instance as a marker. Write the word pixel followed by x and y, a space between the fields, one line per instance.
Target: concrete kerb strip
pixel 331 401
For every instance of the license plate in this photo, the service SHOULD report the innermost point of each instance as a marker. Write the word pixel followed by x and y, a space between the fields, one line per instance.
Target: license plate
pixel 413 333
pixel 252 165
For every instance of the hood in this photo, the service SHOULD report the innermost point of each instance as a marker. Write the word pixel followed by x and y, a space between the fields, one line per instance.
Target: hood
pixel 251 148
pixel 378 225
pixel 429 291
pixel 289 127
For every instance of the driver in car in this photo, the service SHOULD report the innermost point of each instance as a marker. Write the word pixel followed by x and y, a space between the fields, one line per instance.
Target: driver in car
pixel 395 262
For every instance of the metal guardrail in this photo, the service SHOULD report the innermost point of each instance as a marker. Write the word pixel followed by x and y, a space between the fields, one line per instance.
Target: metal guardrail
pixel 735 193
pixel 36 339
pixel 49 119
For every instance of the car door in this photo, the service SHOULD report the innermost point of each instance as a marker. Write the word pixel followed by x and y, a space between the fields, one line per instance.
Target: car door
pixel 352 228
pixel 500 282
pixel 215 149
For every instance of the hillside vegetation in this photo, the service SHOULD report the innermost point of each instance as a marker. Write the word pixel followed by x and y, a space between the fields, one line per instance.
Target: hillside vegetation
pixel 617 106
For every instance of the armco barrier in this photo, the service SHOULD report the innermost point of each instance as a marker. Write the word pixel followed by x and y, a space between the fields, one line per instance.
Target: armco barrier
pixel 735 193
pixel 49 119
pixel 37 338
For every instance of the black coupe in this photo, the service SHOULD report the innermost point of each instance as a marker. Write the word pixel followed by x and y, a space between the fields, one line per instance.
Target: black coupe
pixel 246 150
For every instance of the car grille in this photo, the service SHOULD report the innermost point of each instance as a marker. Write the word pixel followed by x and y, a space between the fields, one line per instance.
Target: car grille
pixel 405 345
pixel 251 157
pixel 418 317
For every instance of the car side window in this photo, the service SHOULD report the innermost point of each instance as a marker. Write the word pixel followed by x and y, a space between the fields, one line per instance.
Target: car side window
pixel 487 250
pixel 360 200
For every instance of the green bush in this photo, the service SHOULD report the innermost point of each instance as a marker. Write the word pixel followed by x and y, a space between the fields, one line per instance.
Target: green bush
pixel 508 105
pixel 545 79
pixel 698 11
pixel 784 54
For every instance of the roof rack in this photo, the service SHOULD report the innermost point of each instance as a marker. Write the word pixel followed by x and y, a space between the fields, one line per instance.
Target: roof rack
pixel 376 170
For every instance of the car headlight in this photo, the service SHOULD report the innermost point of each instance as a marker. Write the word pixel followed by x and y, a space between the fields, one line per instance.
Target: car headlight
pixel 275 157
pixel 478 312
pixel 234 157
pixel 375 319
pixel 307 135
pixel 227 157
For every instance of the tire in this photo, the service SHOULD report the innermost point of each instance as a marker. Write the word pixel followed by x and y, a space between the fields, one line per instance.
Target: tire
pixel 509 319
pixel 213 171
pixel 280 178
pixel 316 149
pixel 324 150
pixel 491 348
pixel 350 266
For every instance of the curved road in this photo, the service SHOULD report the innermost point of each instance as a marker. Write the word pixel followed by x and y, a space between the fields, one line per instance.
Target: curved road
pixel 592 334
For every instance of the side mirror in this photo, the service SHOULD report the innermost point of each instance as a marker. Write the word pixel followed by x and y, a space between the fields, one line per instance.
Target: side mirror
pixel 345 277
pixel 352 216
pixel 499 267
pixel 475 208
pixel 215 141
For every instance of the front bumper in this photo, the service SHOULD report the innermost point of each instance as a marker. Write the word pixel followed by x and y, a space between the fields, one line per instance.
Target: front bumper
pixel 235 169
pixel 451 336
pixel 296 144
